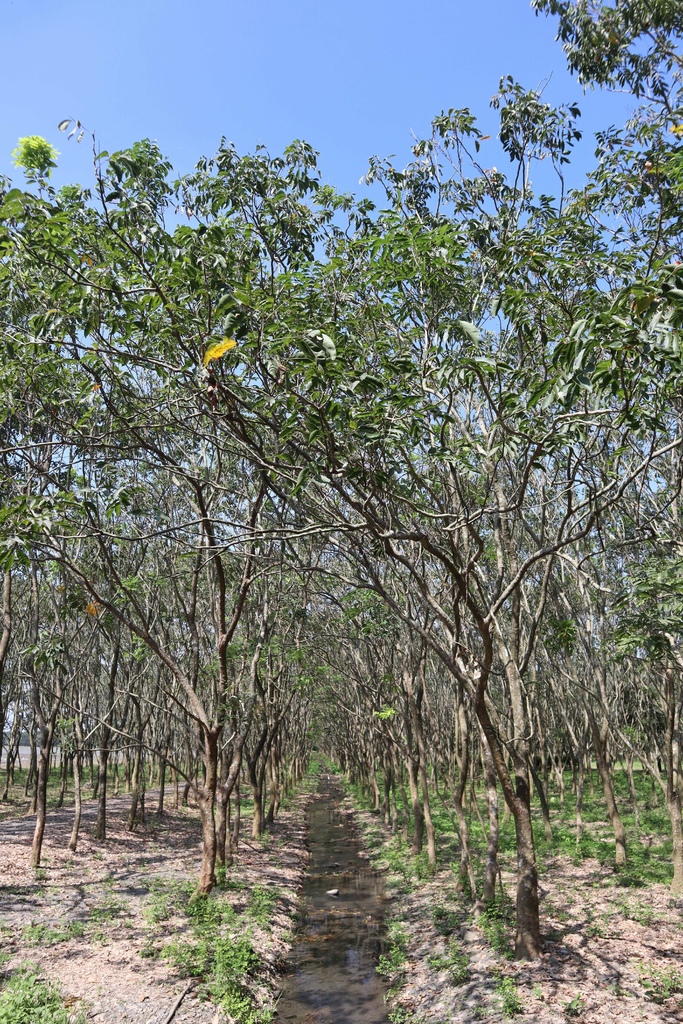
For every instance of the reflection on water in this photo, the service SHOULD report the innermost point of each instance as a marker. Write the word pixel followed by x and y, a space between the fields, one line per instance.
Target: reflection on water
pixel 331 977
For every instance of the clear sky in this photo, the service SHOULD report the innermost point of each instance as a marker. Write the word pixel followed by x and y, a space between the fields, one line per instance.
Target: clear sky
pixel 352 77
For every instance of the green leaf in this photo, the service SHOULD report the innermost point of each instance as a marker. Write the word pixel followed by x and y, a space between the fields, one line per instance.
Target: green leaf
pixel 469 330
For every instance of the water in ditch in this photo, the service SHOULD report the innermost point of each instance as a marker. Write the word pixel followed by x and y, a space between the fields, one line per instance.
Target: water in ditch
pixel 331 978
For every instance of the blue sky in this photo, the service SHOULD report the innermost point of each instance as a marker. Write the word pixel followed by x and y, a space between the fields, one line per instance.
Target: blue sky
pixel 353 78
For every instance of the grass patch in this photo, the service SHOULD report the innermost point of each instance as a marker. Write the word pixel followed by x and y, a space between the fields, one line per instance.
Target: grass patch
pixel 28 999
pixel 223 963
pixel 390 963
pixel 497 923
pixel 455 962
pixel 45 935
pixel 510 1000
pixel 445 921
pixel 661 983
pixel 262 904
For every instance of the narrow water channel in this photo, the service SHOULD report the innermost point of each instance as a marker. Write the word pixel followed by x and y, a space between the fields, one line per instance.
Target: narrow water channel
pixel 331 977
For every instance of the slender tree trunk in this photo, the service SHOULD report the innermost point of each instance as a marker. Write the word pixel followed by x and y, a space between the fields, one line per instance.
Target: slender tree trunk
pixel 417 806
pixel 78 746
pixel 257 795
pixel 32 766
pixel 206 800
pixel 135 787
pixel 599 738
pixel 162 781
pixel 672 755
pixel 632 787
pixel 47 729
pixel 64 775
pixel 5 635
pixel 105 739
pixel 491 872
pixel 545 810
pixel 528 934
pixel 237 818
pixel 580 786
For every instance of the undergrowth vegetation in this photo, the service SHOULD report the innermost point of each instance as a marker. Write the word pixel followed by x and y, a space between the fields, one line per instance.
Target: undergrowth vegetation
pixel 27 998
pixel 649 842
pixel 219 954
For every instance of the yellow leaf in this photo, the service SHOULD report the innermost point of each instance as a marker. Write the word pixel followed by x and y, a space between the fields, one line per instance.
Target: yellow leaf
pixel 93 608
pixel 217 349
pixel 677 129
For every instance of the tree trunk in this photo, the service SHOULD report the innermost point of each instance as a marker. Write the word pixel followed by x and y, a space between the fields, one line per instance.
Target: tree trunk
pixel 135 788
pixel 78 745
pixel 162 782
pixel 528 933
pixel 206 800
pixel 105 739
pixel 491 871
pixel 580 786
pixel 672 755
pixel 418 809
pixel 101 823
pixel 47 729
pixel 545 810
pixel 632 787
pixel 257 794
pixel 599 738
pixel 237 819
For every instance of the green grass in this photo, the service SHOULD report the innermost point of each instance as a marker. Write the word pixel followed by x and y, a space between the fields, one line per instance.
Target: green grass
pixel 45 935
pixel 455 962
pixel 649 847
pixel 392 960
pixel 262 904
pixel 222 963
pixel 445 920
pixel 510 1000
pixel 661 983
pixel 27 999
pixel 497 924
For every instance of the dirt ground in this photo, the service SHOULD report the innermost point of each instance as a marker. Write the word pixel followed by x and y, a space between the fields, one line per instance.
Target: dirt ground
pixel 607 953
pixel 81 917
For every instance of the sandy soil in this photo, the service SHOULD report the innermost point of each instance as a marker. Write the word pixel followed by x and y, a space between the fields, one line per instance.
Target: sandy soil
pixel 602 942
pixel 102 891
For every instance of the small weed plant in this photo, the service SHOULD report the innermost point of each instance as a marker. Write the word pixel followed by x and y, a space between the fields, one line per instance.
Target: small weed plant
pixel 445 920
pixel 28 999
pixel 495 923
pixel 510 1000
pixel 661 983
pixel 391 962
pixel 44 935
pixel 636 910
pixel 455 962
pixel 262 904
pixel 575 1006
pixel 398 1016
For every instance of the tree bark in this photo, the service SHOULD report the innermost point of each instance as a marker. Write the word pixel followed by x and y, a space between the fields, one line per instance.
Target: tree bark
pixel 599 740
pixel 77 767
pixel 206 800
pixel 491 871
